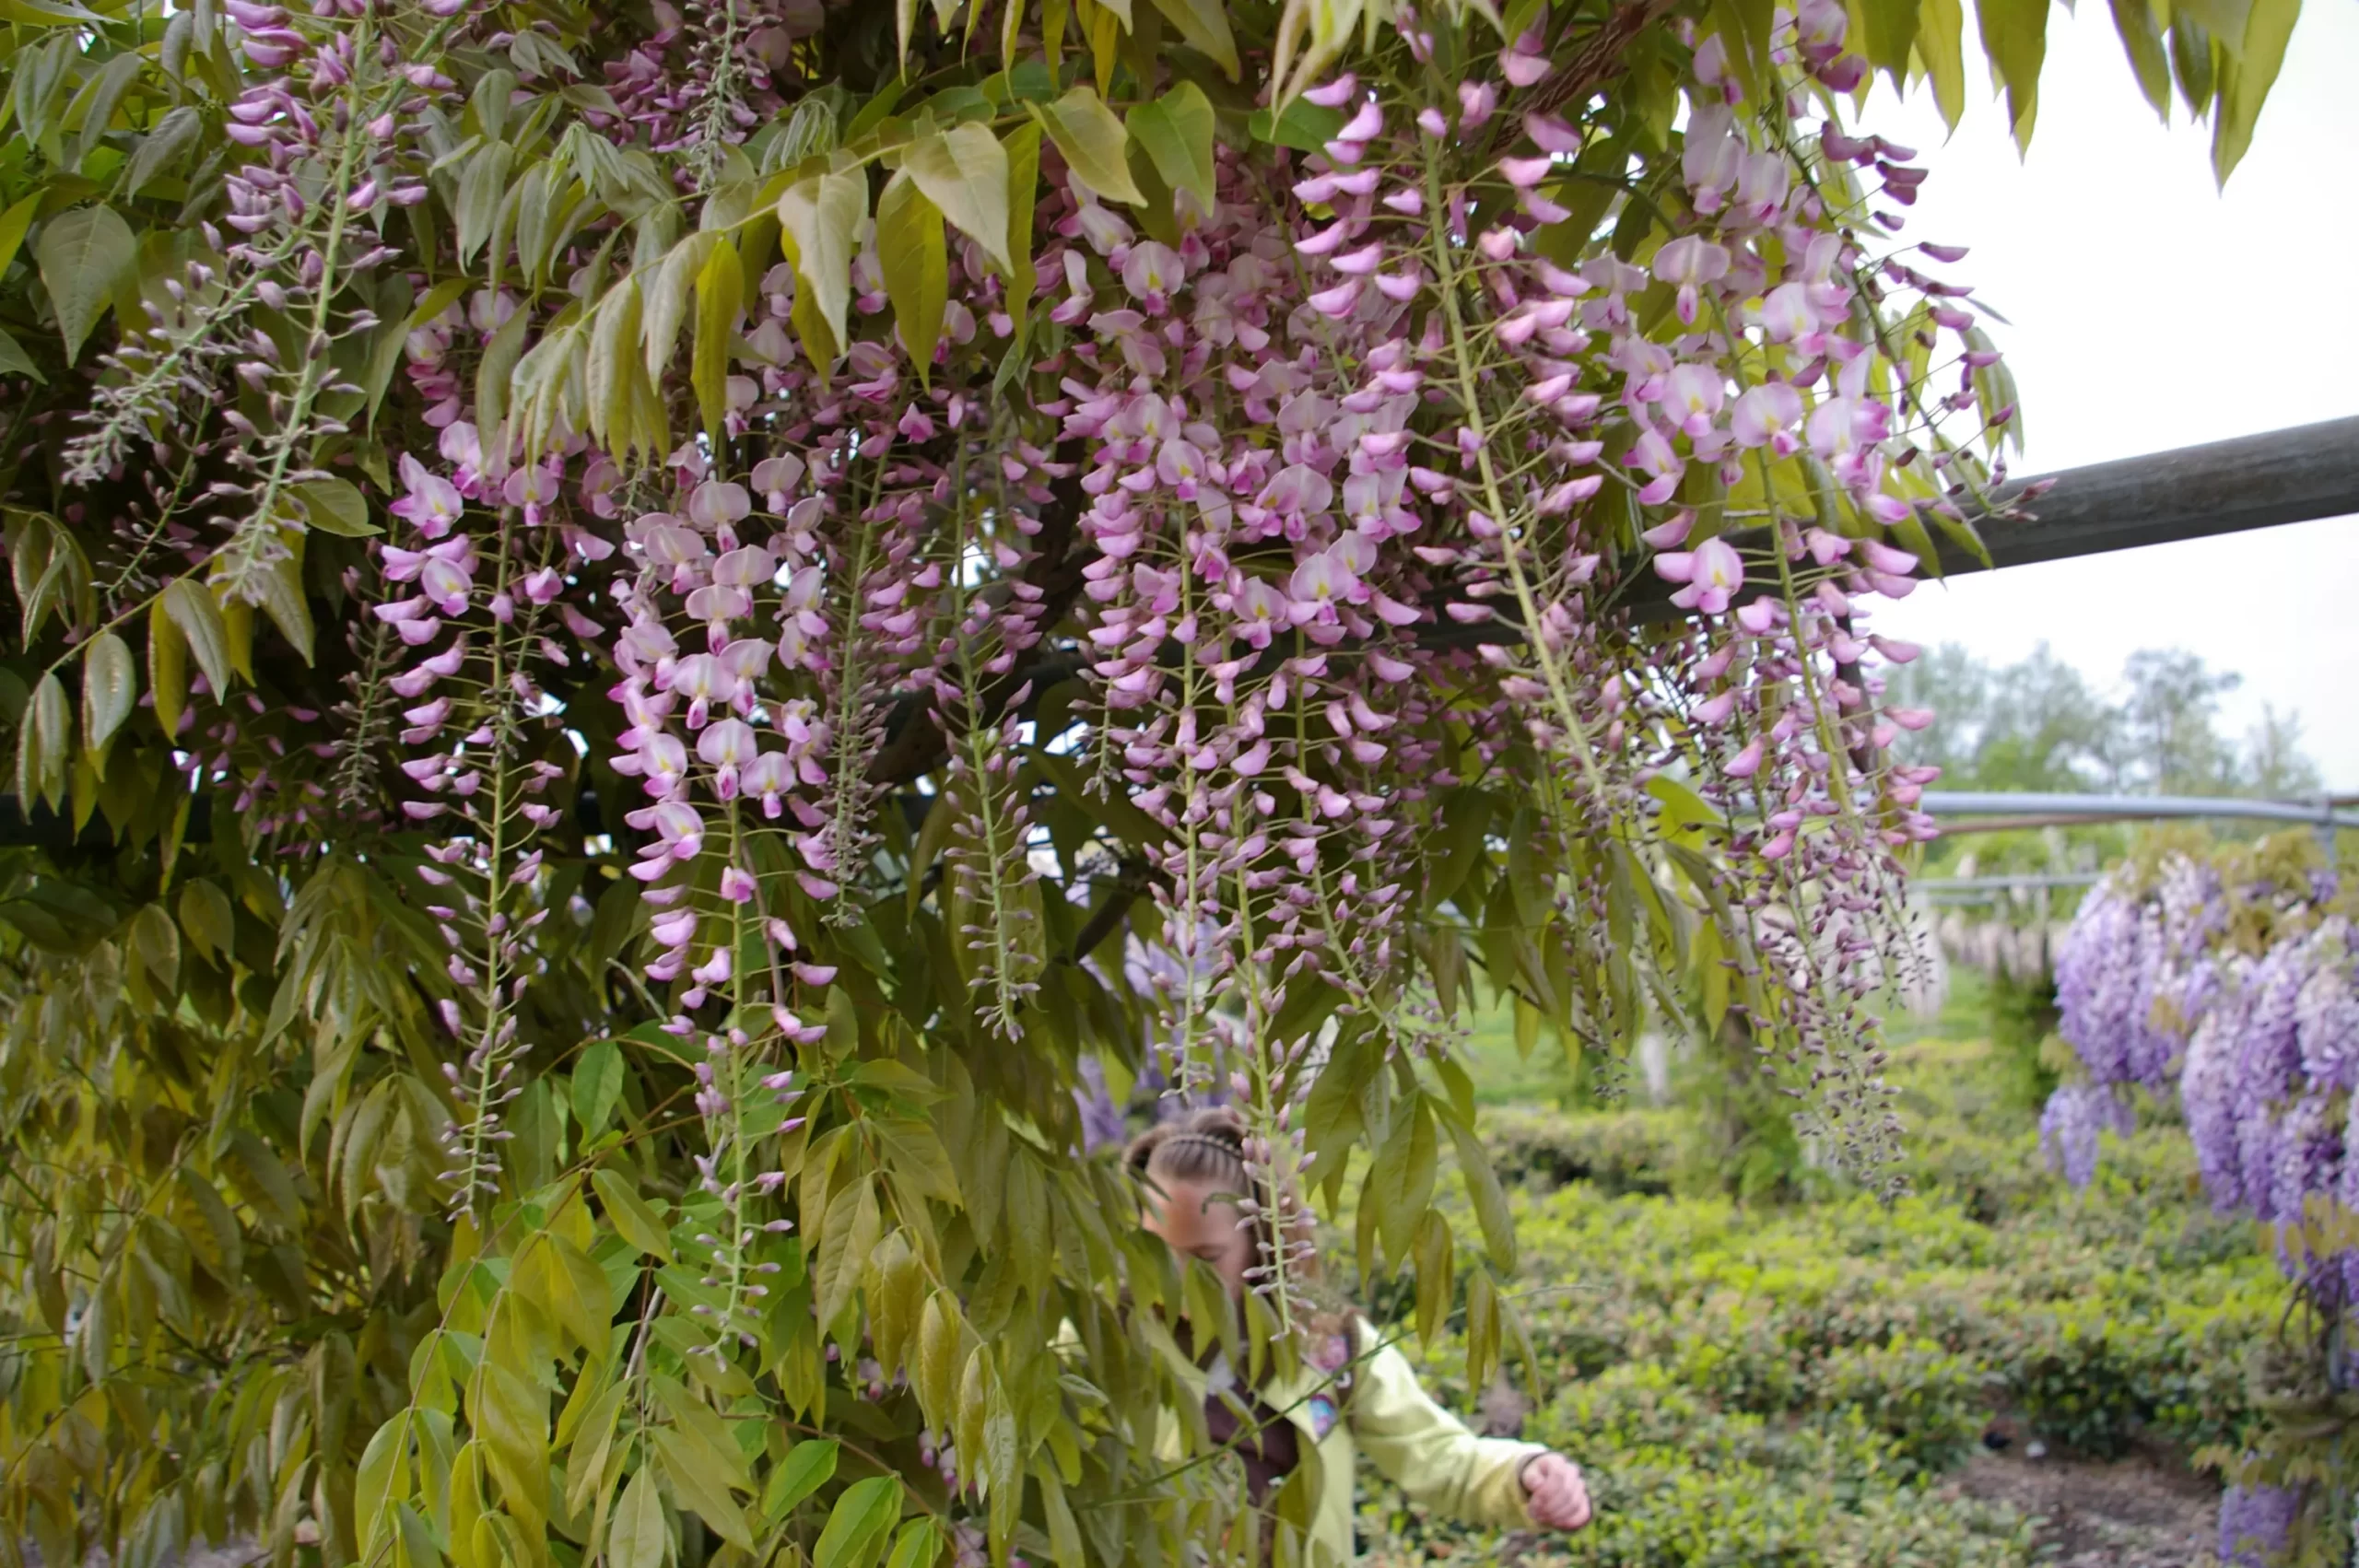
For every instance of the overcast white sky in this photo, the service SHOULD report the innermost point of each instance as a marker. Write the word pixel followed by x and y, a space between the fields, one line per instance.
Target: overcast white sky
pixel 2150 311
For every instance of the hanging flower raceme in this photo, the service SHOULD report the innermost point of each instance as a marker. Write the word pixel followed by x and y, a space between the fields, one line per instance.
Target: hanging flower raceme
pixel 2234 982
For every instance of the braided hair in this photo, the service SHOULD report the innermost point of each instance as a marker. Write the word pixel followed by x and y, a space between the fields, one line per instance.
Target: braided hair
pixel 1208 1147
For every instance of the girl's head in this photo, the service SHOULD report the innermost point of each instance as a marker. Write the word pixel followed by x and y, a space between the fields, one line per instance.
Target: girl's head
pixel 1192 1172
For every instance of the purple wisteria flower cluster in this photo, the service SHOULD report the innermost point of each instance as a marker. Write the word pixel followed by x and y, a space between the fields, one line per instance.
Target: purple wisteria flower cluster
pixel 2235 982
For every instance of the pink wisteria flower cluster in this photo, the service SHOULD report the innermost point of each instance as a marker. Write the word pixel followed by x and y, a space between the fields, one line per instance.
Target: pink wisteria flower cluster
pixel 1336 499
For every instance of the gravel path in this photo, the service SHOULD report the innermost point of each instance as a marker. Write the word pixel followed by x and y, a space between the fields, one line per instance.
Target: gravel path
pixel 2133 1513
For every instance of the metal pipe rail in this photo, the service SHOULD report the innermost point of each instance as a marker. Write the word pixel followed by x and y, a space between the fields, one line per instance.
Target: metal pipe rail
pixel 2035 808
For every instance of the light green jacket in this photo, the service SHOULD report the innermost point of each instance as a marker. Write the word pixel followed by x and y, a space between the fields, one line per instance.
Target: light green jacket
pixel 1418 1446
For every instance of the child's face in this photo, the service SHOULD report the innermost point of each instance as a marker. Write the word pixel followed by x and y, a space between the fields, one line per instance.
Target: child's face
pixel 1194 1223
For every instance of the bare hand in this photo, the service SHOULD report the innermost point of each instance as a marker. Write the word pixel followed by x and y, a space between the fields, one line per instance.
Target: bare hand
pixel 1559 1498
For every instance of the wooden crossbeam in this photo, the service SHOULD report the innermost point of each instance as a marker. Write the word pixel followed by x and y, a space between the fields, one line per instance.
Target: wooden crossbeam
pixel 2296 475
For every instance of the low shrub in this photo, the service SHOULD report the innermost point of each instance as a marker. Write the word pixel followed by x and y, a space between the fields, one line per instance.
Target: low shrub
pixel 1751 1384
pixel 1616 1152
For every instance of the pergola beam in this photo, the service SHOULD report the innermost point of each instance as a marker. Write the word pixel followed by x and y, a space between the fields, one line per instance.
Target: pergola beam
pixel 2296 475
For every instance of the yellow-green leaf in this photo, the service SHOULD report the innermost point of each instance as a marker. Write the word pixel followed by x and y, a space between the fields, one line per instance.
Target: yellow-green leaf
pixel 110 686
pixel 167 665
pixel 666 305
pixel 1204 24
pixel 1490 1202
pixel 284 600
pixel 1940 43
pixel 964 172
pixel 597 1086
pixel 13 223
pixel 1022 147
pixel 695 1485
pixel 337 507
pixel 200 620
pixel 1434 1255
pixel 1091 138
pixel 916 263
pixel 860 1524
pixel 83 255
pixel 2014 37
pixel 632 1219
pixel 614 361
pixel 1176 132
pixel 2269 28
pixel 803 1471
pixel 637 1538
pixel 818 218
pixel 852 1225
pixel 1401 1179
pixel 513 1415
pixel 42 743
pixel 721 291
pixel 207 918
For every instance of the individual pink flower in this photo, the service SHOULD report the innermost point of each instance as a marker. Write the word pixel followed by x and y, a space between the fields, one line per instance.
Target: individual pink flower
pixel 1711 573
pixel 1688 263
pixel 727 748
pixel 432 505
pixel 1694 395
pixel 1317 585
pixel 1153 272
pixel 1525 61
pixel 1766 416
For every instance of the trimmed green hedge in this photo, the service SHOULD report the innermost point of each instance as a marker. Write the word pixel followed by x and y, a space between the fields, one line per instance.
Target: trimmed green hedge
pixel 1774 1385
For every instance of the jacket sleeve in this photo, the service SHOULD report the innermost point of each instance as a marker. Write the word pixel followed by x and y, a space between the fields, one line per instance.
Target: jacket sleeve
pixel 1429 1453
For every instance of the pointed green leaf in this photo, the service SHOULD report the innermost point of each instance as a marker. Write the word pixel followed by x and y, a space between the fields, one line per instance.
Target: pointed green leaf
pixel 1490 1202
pixel 820 217
pixel 1204 24
pixel 2142 40
pixel 1176 132
pixel 597 1086
pixel 804 1470
pixel 964 172
pixel 337 507
pixel 637 1538
pixel 666 303
pixel 630 1214
pixel 721 291
pixel 2014 38
pixel 110 686
pixel 1022 147
pixel 853 1226
pixel 2269 28
pixel 1401 1179
pixel 695 1485
pixel 207 918
pixel 1091 139
pixel 14 361
pixel 1940 43
pixel 161 147
pixel 193 610
pixel 83 256
pixel 482 186
pixel 167 665
pixel 860 1524
pixel 612 373
pixel 43 742
pixel 13 223
pixel 916 263
pixel 284 600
